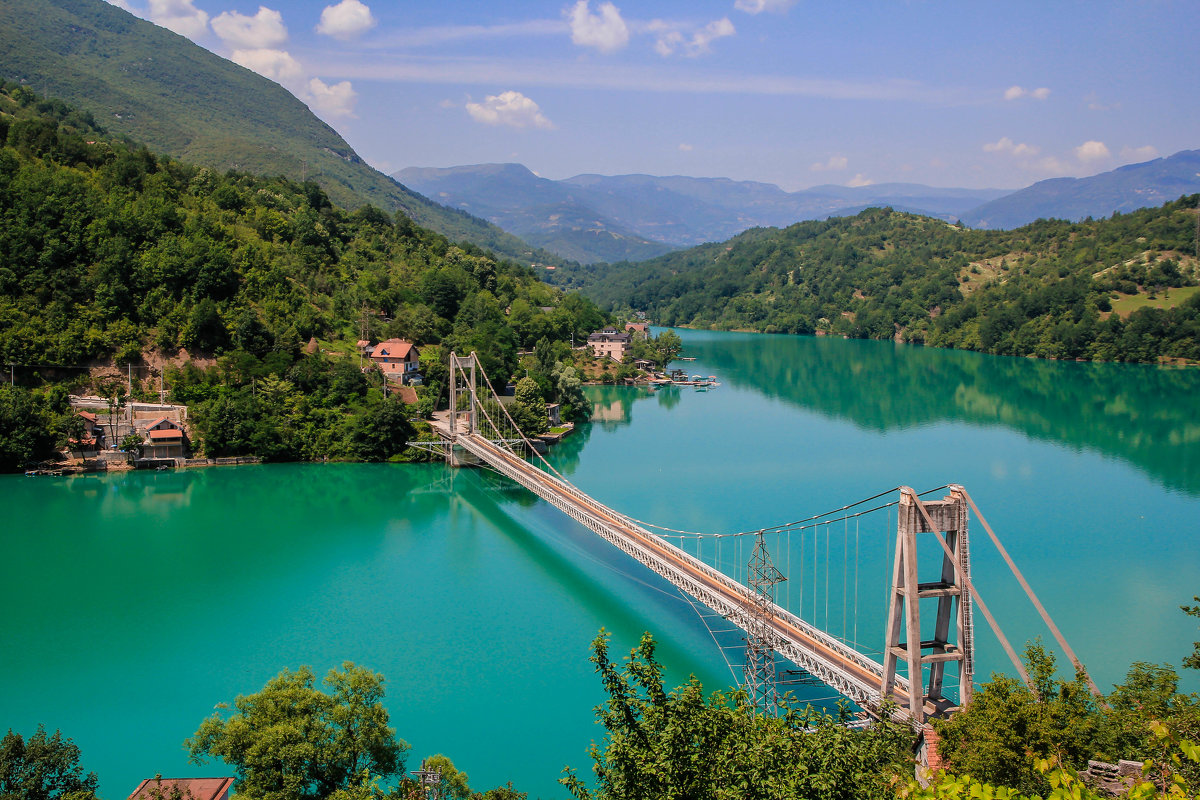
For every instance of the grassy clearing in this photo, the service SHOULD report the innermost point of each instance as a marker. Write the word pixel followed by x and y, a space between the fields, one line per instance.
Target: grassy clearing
pixel 1126 304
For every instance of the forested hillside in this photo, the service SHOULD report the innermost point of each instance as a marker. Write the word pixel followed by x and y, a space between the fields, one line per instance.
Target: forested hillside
pixel 111 253
pixel 1119 289
pixel 178 98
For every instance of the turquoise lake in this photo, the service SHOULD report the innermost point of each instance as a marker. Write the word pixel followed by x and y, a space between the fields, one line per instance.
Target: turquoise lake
pixel 136 603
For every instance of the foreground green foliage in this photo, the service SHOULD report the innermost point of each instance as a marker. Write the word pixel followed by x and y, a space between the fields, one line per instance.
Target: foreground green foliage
pixel 1163 778
pixel 1193 661
pixel 293 741
pixel 1007 733
pixel 43 767
pixel 680 744
pixel 1044 290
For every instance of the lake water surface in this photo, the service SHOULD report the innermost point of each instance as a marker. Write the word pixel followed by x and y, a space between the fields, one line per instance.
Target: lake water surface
pixel 135 603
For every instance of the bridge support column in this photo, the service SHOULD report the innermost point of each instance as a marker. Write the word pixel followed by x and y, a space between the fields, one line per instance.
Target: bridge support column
pixel 949 517
pixel 463 367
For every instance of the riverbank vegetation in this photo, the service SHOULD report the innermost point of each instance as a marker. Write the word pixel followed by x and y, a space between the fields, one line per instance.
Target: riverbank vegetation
pixel 1118 289
pixel 245 294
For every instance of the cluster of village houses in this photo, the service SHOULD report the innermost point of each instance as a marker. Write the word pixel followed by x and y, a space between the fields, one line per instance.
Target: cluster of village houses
pixel 162 427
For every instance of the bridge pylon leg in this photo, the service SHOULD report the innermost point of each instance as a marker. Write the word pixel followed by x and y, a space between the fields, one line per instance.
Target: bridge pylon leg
pixel 949 515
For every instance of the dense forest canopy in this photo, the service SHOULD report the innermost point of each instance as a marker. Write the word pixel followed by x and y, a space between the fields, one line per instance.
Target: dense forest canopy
pixel 112 253
pixel 1119 289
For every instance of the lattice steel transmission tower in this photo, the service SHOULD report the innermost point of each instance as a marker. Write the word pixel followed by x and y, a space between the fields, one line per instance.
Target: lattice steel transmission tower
pixel 760 673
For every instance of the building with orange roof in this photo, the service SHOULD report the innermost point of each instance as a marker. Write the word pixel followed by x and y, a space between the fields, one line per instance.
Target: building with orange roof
pixel 397 359
pixel 160 788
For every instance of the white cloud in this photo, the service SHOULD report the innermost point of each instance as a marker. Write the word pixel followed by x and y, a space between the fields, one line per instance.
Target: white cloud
pixel 605 31
pixel 1092 151
pixel 1007 145
pixel 759 6
pixel 834 163
pixel 717 29
pixel 684 147
pixel 1144 153
pixel 1017 92
pixel 121 4
pixel 668 42
pixel 264 30
pixel 337 100
pixel 670 37
pixel 859 180
pixel 346 20
pixel 509 108
pixel 278 65
pixel 180 16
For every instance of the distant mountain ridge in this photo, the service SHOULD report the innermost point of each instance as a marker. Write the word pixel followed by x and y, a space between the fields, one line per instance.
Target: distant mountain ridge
pixel 161 89
pixel 1128 188
pixel 591 218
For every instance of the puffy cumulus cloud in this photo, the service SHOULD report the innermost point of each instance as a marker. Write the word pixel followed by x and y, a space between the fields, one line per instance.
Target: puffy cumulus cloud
pixel 605 31
pixel 1143 153
pixel 180 16
pixel 1017 92
pixel 346 20
pixel 337 100
pixel 759 6
pixel 1092 151
pixel 671 37
pixel 278 65
pixel 834 163
pixel 1007 145
pixel 509 108
pixel 264 30
pixel 859 180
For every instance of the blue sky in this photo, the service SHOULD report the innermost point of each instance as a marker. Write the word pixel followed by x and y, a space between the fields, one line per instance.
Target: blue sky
pixel 793 92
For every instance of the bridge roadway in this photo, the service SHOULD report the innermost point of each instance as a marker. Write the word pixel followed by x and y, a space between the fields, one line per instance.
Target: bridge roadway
pixel 823 656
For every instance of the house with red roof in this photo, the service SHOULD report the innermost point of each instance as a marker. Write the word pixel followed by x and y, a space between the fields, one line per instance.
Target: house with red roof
pixel 92 439
pixel 163 439
pixel 397 359
pixel 160 788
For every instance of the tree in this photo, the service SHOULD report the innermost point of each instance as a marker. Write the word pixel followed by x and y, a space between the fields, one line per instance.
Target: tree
pixel 669 345
pixel 453 785
pixel 682 745
pixel 292 741
pixel 1193 661
pixel 43 768
pixel 529 409
pixel 25 433
pixel 1007 727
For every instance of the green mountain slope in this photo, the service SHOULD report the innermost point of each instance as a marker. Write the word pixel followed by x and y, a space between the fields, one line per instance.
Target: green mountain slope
pixel 111 254
pixel 1123 288
pixel 161 89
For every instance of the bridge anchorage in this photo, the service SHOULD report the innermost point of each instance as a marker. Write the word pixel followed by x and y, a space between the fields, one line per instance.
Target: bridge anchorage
pixel 907 681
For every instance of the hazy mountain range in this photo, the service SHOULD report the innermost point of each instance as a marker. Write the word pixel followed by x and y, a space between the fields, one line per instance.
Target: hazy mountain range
pixel 591 218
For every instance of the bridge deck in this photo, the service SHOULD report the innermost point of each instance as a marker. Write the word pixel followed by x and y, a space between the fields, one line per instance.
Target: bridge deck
pixel 825 657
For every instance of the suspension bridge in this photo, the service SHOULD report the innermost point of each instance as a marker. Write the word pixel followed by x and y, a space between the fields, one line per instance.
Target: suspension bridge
pixel 907 681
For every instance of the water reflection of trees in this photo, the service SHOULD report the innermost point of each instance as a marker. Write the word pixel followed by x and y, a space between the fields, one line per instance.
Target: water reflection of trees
pixel 1145 415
